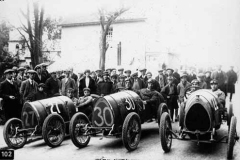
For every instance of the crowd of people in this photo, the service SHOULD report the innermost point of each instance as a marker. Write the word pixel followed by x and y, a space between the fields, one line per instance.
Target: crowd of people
pixel 24 84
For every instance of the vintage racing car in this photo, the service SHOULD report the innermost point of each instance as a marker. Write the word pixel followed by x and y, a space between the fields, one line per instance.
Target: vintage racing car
pixel 120 114
pixel 201 115
pixel 46 118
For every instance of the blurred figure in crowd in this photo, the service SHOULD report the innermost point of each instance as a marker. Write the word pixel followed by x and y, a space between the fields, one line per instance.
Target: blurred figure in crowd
pixel 232 79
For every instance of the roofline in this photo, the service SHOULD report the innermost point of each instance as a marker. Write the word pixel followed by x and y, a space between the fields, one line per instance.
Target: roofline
pixel 98 23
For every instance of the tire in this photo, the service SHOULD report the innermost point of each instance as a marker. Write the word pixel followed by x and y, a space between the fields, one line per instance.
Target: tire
pixel 229 114
pixel 181 115
pixel 53 130
pixel 9 131
pixel 76 129
pixel 165 134
pixel 161 109
pixel 131 131
pixel 231 137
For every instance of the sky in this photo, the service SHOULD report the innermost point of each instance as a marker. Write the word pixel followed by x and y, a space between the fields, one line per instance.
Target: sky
pixel 201 31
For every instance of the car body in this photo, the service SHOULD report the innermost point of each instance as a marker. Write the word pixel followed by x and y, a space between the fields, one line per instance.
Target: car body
pixel 201 115
pixel 45 118
pixel 120 114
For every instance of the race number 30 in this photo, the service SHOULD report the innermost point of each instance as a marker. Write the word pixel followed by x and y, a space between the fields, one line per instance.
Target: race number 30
pixel 103 116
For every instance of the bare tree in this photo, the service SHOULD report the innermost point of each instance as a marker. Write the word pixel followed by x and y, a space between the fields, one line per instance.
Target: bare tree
pixel 106 20
pixel 34 31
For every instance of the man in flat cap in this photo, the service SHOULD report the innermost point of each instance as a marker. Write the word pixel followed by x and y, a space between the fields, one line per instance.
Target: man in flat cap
pixel 105 87
pixel 170 73
pixel 170 93
pixel 53 85
pixel 143 75
pixel 192 75
pixel 128 75
pixel 28 87
pixel 109 70
pixel 176 75
pixel 87 82
pixel 98 76
pixel 121 82
pixel 38 77
pixel 182 86
pixel 114 81
pixel 20 73
pixel 40 94
pixel 10 95
pixel 137 83
pixel 14 77
pixel 85 103
pixel 231 80
pixel 67 82
pixel 161 79
pixel 221 77
pixel 45 74
pixel 73 75
pixel 25 75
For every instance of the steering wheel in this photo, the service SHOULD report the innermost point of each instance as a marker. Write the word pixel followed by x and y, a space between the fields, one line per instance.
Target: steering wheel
pixel 189 90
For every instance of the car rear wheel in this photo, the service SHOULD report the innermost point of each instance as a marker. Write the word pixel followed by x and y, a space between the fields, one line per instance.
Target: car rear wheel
pixel 165 132
pixel 53 130
pixel 229 114
pixel 161 109
pixel 232 137
pixel 13 138
pixel 77 129
pixel 181 115
pixel 131 131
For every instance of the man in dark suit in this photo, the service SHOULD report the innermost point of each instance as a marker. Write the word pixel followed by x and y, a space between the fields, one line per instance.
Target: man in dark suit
pixel 137 83
pixel 232 79
pixel 156 85
pixel 221 77
pixel 191 76
pixel 161 79
pixel 38 77
pixel 14 77
pixel 53 85
pixel 73 75
pixel 44 71
pixel 67 82
pixel 105 87
pixel 143 75
pixel 28 87
pixel 87 82
pixel 11 98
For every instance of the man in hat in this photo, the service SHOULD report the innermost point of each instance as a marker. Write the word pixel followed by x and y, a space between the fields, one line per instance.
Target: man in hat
pixel 170 73
pixel 109 70
pixel 161 79
pixel 20 73
pixel 120 71
pixel 221 77
pixel 170 93
pixel 25 75
pixel 220 94
pixel 232 79
pixel 121 82
pixel 150 98
pixel 208 79
pixel 114 81
pixel 143 75
pixel 85 103
pixel 191 75
pixel 87 82
pixel 105 87
pixel 67 82
pixel 39 77
pixel 45 74
pixel 10 95
pixel 202 83
pixel 176 75
pixel 182 86
pixel 40 94
pixel 73 75
pixel 53 85
pixel 156 85
pixel 137 82
pixel 28 87
pixel 98 76
pixel 14 77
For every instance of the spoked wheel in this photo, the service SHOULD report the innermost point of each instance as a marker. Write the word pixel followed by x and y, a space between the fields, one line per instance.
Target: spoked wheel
pixel 77 129
pixel 232 137
pixel 12 136
pixel 53 130
pixel 162 108
pixel 131 131
pixel 165 134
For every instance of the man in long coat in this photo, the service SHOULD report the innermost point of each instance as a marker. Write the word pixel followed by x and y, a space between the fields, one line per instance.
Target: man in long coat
pixel 67 83
pixel 10 95
pixel 231 80
pixel 105 87
pixel 87 82
pixel 221 77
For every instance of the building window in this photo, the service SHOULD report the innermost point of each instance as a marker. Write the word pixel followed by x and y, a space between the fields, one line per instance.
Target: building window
pixel 109 34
